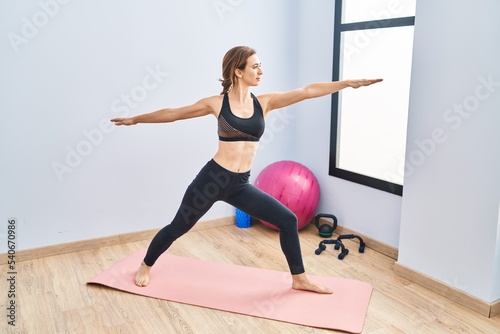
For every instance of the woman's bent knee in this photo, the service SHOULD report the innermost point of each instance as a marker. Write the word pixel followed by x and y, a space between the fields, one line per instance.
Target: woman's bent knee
pixel 286 222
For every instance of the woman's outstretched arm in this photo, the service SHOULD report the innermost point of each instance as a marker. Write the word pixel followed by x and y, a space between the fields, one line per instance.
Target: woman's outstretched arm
pixel 201 108
pixel 280 100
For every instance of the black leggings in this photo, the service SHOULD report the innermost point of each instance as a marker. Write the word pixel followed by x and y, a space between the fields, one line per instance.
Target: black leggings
pixel 215 183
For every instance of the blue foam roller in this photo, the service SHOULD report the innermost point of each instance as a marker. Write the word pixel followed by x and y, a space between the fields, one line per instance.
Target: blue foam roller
pixel 242 219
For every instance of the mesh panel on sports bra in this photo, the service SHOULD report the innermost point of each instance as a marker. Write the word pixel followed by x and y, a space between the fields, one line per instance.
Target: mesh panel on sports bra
pixel 229 133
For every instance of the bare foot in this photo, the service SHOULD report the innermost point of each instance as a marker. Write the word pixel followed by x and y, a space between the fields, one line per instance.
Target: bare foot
pixel 142 275
pixel 301 282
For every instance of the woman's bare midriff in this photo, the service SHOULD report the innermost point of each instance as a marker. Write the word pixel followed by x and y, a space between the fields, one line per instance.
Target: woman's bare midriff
pixel 236 156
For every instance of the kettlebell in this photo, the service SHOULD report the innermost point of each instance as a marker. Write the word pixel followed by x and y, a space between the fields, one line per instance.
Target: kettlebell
pixel 325 230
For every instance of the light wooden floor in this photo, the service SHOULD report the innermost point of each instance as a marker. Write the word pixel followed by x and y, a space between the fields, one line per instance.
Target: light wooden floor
pixel 53 296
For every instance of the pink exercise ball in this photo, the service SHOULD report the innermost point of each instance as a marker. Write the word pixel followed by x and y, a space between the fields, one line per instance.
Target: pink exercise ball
pixel 294 185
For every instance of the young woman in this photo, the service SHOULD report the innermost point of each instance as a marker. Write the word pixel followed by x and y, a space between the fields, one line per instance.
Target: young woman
pixel 240 117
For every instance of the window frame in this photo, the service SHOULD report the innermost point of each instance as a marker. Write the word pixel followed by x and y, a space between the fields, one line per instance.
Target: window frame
pixel 339 28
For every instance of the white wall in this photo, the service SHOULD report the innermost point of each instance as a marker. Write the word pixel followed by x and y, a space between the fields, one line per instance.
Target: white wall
pixel 366 210
pixel 69 66
pixel 450 212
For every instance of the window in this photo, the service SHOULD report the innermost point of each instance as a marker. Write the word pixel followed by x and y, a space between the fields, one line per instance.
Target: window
pixel 372 39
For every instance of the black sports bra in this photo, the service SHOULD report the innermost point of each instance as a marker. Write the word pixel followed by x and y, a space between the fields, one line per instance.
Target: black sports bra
pixel 234 128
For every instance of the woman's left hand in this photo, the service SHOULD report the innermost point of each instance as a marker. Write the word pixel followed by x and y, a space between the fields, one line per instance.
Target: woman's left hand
pixel 363 82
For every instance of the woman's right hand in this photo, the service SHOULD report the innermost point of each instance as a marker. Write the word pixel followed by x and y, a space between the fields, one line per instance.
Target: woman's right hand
pixel 124 121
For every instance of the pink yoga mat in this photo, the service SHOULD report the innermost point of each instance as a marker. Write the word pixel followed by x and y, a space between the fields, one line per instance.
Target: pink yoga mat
pixel 252 291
